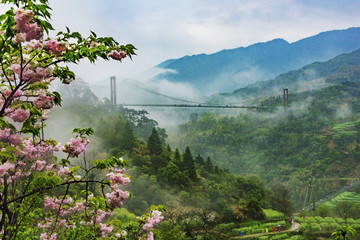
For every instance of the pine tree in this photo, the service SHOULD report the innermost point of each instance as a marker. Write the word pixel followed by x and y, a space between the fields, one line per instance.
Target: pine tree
pixel 199 160
pixel 208 165
pixel 177 157
pixel 154 143
pixel 188 164
pixel 129 137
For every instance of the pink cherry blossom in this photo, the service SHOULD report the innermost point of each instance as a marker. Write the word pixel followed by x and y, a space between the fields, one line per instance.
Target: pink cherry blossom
pixel 117 55
pixel 18 115
pixel 20 38
pixel 153 219
pixel 44 236
pixel 44 102
pixel 118 178
pixel 117 197
pixel 150 236
pixel 50 167
pixel 76 146
pixel 105 230
pixel 5 133
pixel 63 170
pixel 36 150
pixel 38 165
pixel 23 24
pixel 55 47
pixel 5 167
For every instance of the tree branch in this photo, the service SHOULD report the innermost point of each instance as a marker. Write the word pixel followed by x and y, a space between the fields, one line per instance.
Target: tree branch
pixel 53 187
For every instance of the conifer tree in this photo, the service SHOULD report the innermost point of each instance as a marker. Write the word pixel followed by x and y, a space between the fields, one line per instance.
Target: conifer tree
pixel 208 165
pixel 154 143
pixel 199 160
pixel 177 156
pixel 129 137
pixel 189 164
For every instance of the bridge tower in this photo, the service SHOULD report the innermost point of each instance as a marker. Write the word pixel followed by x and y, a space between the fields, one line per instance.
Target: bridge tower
pixel 310 197
pixel 113 90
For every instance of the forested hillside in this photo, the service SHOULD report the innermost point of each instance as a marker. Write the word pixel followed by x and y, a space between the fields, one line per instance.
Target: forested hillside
pixel 317 136
pixel 198 194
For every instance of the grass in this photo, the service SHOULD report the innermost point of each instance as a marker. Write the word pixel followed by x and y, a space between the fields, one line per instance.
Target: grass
pixel 350 197
pixel 272 214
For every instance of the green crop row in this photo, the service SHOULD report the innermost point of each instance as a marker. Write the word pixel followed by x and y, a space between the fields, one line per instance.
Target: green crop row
pixel 274 237
pixel 324 226
pixel 320 220
pixel 272 214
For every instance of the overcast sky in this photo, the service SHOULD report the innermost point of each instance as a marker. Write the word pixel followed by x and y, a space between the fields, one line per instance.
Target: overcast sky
pixel 165 29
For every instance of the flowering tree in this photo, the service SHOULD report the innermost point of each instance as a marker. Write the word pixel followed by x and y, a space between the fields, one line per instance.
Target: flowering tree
pixel 37 197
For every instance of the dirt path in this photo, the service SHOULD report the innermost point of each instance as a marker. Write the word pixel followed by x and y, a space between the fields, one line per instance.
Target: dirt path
pixel 294 227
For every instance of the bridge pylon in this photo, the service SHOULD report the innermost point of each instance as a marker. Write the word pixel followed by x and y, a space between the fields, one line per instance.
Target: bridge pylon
pixel 310 197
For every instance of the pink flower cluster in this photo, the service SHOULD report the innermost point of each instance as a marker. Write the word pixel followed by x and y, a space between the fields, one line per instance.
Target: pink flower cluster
pixel 54 203
pixel 118 178
pixel 122 234
pixel 117 55
pixel 17 115
pixel 116 198
pixel 38 165
pixel 55 47
pixel 5 133
pixel 76 146
pixel 5 167
pixel 101 215
pixel 31 73
pixel 63 171
pixel 37 150
pixel 154 219
pixel 63 223
pixel 27 30
pixel 150 236
pixel 44 102
pixel 105 230
pixel 7 136
pixel 6 91
pixel 44 236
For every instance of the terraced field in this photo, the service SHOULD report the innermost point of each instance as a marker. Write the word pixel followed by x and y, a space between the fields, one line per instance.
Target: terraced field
pixel 350 197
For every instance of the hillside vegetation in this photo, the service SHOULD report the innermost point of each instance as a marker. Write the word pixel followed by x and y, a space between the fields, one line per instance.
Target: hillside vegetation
pixel 318 136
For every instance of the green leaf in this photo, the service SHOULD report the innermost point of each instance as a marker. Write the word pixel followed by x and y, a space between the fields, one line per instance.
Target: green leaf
pixel 94 34
pixel 8 155
pixel 57 98
pixel 85 131
pixel 65 162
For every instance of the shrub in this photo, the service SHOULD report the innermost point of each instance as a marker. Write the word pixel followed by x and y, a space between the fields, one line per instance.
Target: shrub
pixel 311 219
pixel 280 236
pixel 226 226
pixel 329 219
pixel 297 237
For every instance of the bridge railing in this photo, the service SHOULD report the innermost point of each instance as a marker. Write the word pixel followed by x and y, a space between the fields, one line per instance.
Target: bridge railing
pixel 332 195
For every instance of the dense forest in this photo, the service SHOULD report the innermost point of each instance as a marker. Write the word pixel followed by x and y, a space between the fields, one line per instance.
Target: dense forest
pixel 318 136
pixel 198 194
pixel 226 173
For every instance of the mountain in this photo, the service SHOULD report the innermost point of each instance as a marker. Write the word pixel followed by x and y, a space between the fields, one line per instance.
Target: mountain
pixel 228 70
pixel 316 75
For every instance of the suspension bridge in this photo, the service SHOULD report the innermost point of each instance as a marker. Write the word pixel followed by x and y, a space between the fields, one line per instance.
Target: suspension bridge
pixel 315 204
pixel 252 104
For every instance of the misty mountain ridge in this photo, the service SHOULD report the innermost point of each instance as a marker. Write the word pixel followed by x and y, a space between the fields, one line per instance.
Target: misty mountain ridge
pixel 342 68
pixel 227 70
